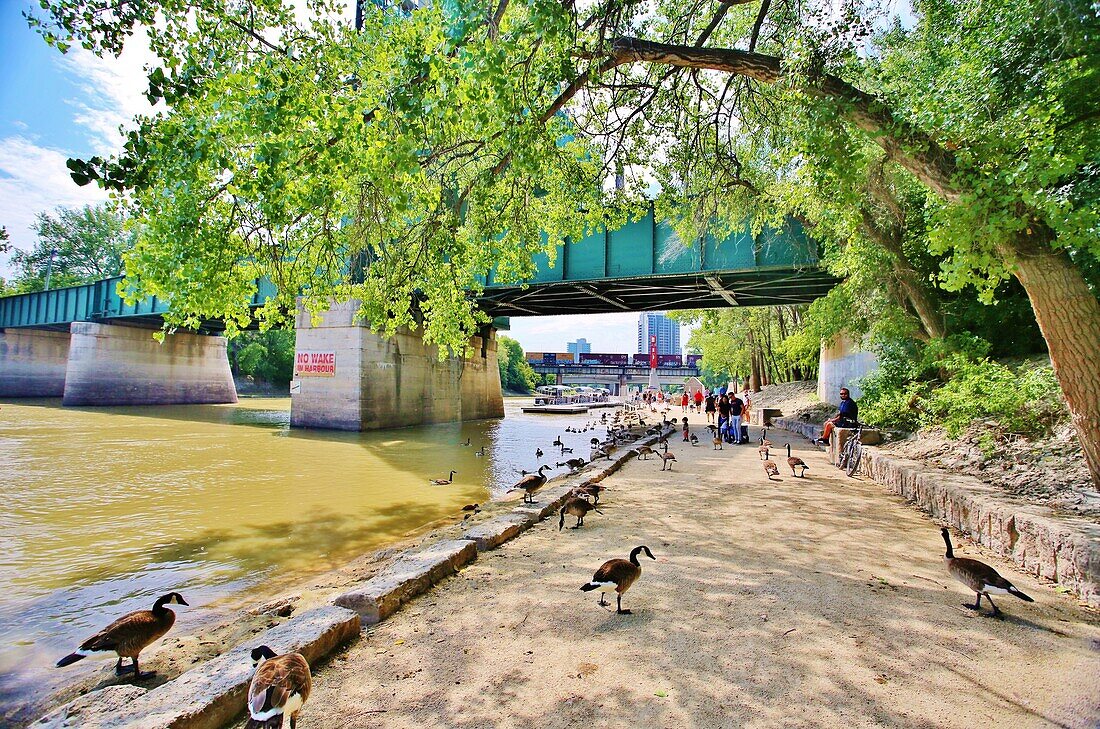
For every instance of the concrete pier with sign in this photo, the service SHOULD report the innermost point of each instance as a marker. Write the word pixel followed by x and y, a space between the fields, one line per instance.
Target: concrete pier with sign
pixel 346 377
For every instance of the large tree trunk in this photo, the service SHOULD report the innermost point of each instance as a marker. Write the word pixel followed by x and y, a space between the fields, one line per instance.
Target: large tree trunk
pixel 1069 318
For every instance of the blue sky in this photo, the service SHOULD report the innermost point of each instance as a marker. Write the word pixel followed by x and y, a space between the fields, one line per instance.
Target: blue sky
pixel 54 106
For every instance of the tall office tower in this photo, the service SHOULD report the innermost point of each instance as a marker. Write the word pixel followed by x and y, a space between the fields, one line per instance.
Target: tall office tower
pixel 581 346
pixel 667 331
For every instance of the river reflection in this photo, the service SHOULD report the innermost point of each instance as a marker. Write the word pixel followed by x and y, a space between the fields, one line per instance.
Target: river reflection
pixel 104 509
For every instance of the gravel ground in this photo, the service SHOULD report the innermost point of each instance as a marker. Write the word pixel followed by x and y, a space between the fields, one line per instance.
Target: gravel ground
pixel 817 602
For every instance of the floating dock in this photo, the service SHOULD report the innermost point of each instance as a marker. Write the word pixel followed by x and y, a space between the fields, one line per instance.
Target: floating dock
pixel 558 409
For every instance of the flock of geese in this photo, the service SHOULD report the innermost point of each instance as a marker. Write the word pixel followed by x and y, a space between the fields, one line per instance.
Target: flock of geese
pixel 281 684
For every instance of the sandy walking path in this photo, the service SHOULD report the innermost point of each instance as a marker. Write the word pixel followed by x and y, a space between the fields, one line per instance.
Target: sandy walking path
pixel 817 602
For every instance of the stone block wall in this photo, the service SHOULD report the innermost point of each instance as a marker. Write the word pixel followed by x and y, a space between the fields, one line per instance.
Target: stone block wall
pixel 110 364
pixel 390 383
pixel 33 362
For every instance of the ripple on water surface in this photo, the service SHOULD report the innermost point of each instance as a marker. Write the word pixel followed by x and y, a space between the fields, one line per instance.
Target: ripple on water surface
pixel 104 509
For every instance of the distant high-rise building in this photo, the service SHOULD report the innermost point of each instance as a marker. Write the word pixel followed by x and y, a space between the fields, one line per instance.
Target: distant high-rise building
pixel 581 346
pixel 667 331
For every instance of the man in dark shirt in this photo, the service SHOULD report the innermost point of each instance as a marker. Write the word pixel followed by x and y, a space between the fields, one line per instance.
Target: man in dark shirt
pixel 733 432
pixel 846 417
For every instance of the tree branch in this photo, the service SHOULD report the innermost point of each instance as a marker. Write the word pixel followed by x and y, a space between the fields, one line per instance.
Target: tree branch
pixel 911 148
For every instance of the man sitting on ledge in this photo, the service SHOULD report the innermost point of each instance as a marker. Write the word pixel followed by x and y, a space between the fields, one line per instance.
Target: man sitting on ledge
pixel 846 418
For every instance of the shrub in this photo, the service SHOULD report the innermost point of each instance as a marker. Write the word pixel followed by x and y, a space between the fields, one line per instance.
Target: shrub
pixel 950 383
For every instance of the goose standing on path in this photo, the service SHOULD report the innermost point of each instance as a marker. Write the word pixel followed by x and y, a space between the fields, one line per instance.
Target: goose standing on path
pixel 763 451
pixel 128 635
pixel 643 452
pixel 530 484
pixel 617 575
pixel 979 577
pixel 577 506
pixel 667 459
pixel 795 462
pixel 771 469
pixel 279 687
pixel 443 481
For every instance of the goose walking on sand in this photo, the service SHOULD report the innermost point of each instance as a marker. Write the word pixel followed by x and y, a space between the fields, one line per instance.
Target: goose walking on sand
pixel 617 575
pixel 530 484
pixel 979 577
pixel 278 690
pixel 577 506
pixel 795 462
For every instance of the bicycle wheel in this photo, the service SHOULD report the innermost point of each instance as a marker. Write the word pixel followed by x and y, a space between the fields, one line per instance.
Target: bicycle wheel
pixel 852 466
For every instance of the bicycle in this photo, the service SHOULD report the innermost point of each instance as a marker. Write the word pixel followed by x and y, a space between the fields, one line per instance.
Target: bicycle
pixel 852 452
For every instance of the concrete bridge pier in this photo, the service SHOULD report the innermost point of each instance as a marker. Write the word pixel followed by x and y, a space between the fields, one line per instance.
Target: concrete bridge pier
pixel 843 362
pixel 33 362
pixel 346 377
pixel 109 364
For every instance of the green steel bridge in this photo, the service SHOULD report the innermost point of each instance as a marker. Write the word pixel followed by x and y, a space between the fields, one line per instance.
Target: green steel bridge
pixel 642 266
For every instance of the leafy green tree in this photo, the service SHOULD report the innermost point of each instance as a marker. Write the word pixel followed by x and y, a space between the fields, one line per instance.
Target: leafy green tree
pixel 267 356
pixel 75 246
pixel 444 142
pixel 516 374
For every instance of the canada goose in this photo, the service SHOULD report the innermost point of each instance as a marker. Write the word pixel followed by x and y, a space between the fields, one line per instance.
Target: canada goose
pixel 601 453
pixel 466 444
pixel 472 507
pixel 557 442
pixel 795 462
pixel 578 507
pixel 573 463
pixel 279 687
pixel 530 484
pixel 643 452
pixel 694 439
pixel 480 452
pixel 617 575
pixel 565 450
pixel 712 428
pixel 444 481
pixel 717 441
pixel 763 451
pixel 128 635
pixel 771 469
pixel 590 488
pixel 538 453
pixel 979 577
pixel 594 442
pixel 667 460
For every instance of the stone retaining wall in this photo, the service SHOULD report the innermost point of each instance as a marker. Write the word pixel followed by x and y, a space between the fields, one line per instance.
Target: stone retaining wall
pixel 1063 549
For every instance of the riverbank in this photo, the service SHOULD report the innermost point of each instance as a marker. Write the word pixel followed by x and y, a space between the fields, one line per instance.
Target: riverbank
pixel 792 602
pixel 224 504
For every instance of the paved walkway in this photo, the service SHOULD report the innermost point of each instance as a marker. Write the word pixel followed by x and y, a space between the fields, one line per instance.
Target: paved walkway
pixel 817 602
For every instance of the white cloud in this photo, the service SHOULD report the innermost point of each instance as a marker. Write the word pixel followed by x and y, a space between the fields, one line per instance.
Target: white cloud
pixel 33 176
pixel 113 91
pixel 34 179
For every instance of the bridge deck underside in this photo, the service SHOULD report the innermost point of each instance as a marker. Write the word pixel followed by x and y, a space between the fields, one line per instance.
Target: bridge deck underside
pixel 718 289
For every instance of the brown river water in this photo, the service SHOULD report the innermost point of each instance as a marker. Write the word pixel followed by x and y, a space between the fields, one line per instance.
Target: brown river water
pixel 104 509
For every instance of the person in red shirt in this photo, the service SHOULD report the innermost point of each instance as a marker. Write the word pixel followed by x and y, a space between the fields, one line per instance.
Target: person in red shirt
pixel 684 402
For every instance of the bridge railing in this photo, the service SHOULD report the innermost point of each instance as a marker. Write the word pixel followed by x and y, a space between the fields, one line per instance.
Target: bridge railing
pixel 90 302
